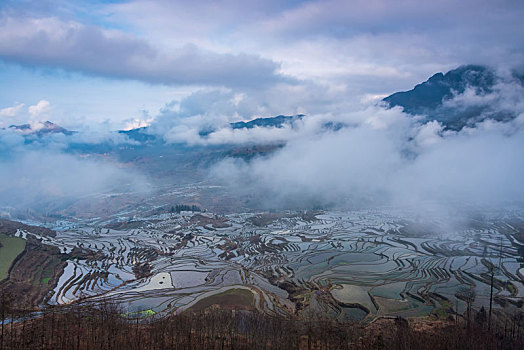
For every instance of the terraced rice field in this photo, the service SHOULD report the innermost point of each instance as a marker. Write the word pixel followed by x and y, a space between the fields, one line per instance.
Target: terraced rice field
pixel 349 265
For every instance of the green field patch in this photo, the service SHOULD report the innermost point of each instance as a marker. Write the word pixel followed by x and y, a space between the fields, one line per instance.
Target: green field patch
pixel 444 310
pixel 10 248
pixel 46 276
pixel 37 276
pixel 231 298
pixel 142 313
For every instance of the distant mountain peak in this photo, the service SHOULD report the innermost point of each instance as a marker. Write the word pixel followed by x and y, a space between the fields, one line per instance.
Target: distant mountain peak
pixel 429 98
pixel 262 122
pixel 431 93
pixel 41 129
pixel 276 122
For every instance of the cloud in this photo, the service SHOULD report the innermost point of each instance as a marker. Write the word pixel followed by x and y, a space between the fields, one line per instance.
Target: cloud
pixel 74 46
pixel 213 109
pixel 428 134
pixel 136 123
pixel 372 45
pixel 506 94
pixel 40 109
pixel 93 137
pixel 386 157
pixel 11 111
pixel 480 168
pixel 203 118
pixel 309 57
pixel 36 113
pixel 33 175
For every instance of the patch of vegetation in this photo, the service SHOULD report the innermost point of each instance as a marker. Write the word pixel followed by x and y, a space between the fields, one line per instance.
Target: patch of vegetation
pixel 142 313
pixel 183 207
pixel 45 276
pixel 33 273
pixel 142 270
pixel 444 311
pixel 10 248
pixel 512 289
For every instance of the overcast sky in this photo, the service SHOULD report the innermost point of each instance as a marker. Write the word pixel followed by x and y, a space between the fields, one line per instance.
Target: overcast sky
pixel 116 64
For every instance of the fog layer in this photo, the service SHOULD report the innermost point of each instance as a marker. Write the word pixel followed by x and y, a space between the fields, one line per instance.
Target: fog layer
pixel 32 175
pixel 386 157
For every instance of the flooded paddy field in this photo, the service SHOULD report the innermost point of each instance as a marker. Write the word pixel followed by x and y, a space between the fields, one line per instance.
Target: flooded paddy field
pixel 349 265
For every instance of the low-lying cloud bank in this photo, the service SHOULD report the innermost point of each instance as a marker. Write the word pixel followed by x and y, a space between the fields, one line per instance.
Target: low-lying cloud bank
pixel 386 157
pixel 363 156
pixel 32 175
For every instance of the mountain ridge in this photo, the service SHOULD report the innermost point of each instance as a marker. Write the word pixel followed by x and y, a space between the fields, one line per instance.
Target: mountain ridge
pixel 44 129
pixel 430 98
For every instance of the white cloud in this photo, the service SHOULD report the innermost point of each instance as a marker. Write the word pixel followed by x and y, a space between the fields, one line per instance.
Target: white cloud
pixel 363 165
pixel 35 174
pixel 286 57
pixel 40 109
pixel 372 46
pixel 11 111
pixel 136 123
pixel 71 45
pixel 428 134
pixel 386 157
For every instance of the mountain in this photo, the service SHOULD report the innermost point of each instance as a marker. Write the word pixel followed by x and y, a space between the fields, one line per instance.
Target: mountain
pixel 272 122
pixel 429 99
pixel 139 134
pixel 154 156
pixel 41 129
pixel 430 94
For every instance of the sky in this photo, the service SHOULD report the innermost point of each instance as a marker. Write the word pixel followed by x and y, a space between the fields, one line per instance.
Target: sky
pixel 106 65
pixel 183 67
